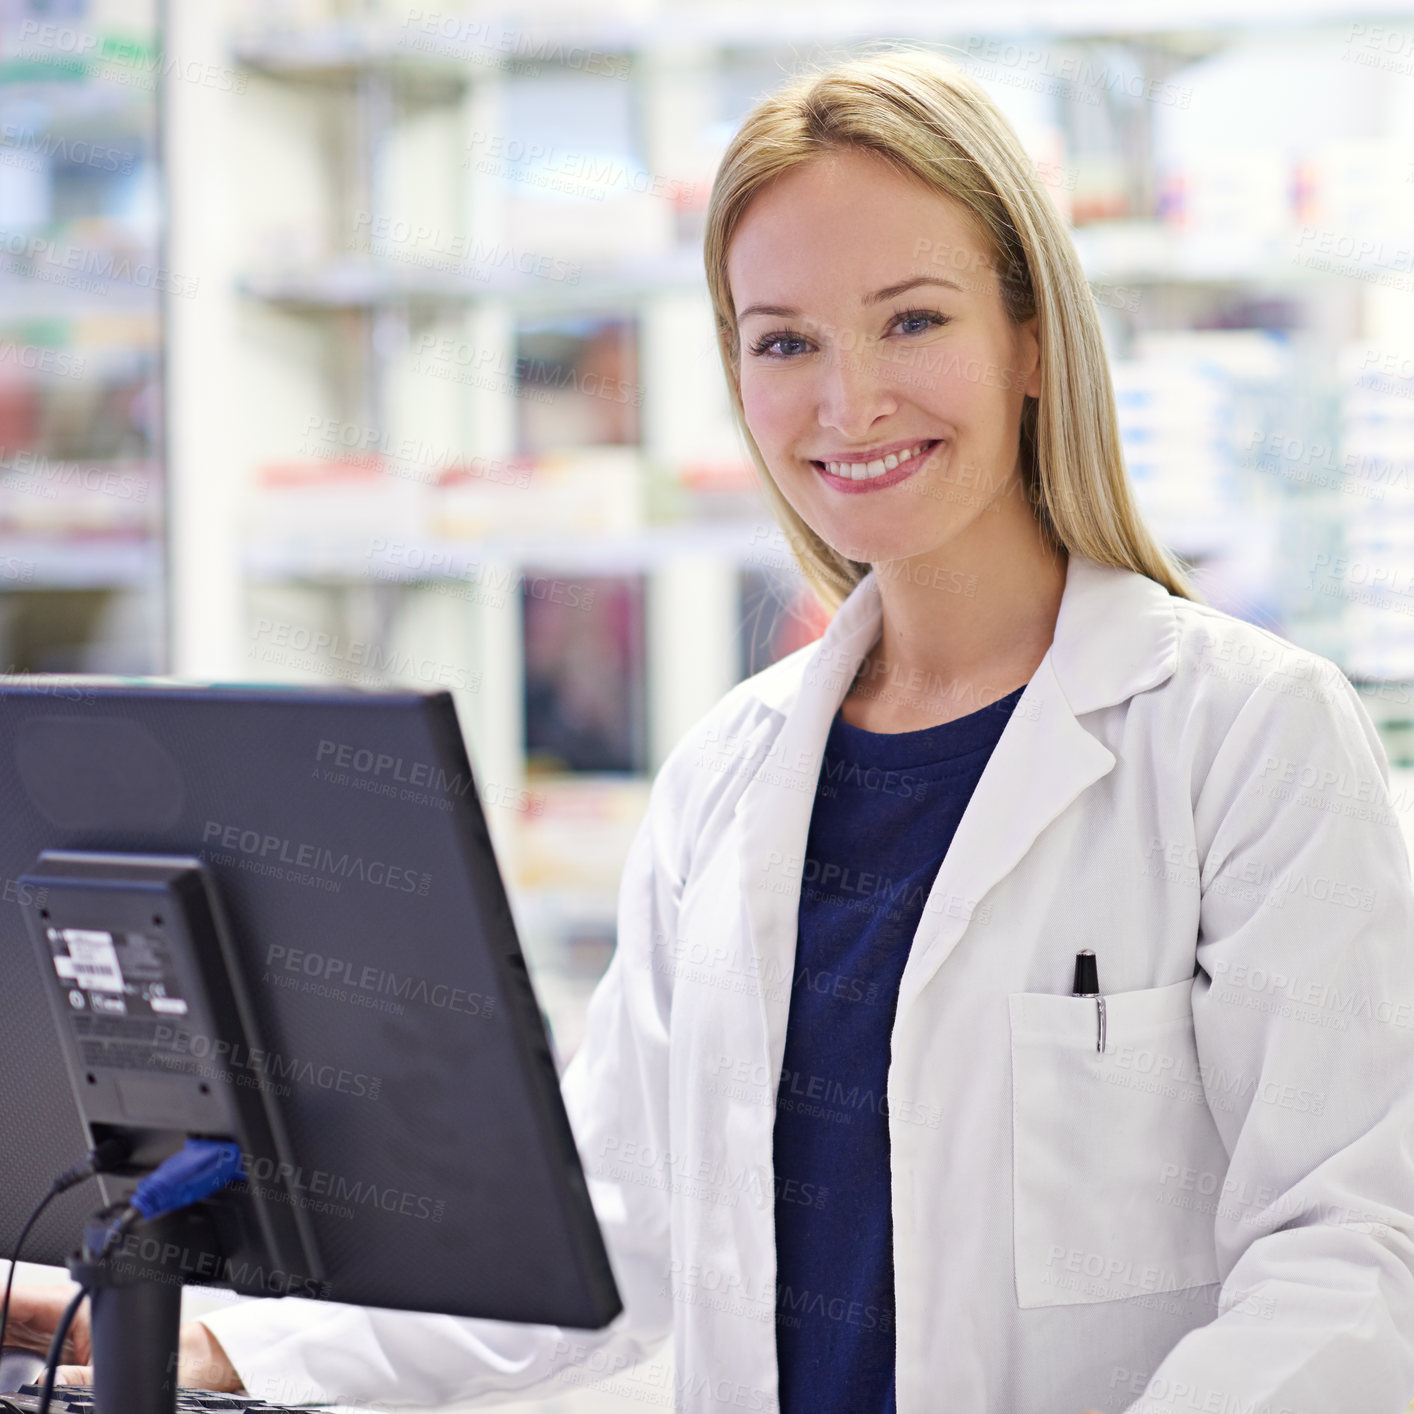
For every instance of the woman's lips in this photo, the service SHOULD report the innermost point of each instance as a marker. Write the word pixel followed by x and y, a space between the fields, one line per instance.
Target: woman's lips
pixel 889 478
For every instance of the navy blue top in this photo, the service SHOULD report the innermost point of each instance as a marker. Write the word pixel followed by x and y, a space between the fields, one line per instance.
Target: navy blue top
pixel 886 808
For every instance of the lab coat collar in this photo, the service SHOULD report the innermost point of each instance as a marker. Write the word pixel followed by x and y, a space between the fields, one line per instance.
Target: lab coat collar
pixel 1116 634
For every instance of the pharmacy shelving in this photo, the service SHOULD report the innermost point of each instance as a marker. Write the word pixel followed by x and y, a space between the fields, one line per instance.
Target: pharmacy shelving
pixel 82 555
pixel 374 291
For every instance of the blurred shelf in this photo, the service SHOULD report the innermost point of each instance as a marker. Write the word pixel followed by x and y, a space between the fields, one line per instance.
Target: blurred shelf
pixel 31 562
pixel 22 299
pixel 71 51
pixel 342 53
pixel 572 284
pixel 740 542
pixel 71 362
pixel 1149 252
pixel 445 43
pixel 1143 253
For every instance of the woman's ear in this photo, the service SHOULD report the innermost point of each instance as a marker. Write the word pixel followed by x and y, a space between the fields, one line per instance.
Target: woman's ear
pixel 1029 359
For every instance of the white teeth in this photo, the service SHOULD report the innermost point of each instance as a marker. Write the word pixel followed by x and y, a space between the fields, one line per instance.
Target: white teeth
pixel 867 471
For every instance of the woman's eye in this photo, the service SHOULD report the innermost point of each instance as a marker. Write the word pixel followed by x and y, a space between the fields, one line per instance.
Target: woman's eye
pixel 769 341
pixel 922 317
pixel 782 344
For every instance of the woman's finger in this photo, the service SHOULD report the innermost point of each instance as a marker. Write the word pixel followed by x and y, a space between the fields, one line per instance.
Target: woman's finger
pixel 74 1375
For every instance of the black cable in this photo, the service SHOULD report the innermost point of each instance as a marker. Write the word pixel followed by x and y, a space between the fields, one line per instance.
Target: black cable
pixel 110 1154
pixel 15 1259
pixel 56 1347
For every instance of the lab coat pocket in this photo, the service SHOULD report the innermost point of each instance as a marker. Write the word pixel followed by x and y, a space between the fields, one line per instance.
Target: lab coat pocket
pixel 1105 1148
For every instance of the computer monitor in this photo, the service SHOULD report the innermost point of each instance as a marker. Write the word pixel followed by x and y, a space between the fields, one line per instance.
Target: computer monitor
pixel 275 916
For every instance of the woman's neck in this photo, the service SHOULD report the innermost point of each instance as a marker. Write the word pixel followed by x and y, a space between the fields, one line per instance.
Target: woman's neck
pixel 962 625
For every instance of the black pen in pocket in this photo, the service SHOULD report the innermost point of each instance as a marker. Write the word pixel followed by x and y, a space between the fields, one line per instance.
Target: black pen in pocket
pixel 1087 984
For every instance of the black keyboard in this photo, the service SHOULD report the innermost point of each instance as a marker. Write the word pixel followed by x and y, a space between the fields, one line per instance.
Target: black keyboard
pixel 78 1399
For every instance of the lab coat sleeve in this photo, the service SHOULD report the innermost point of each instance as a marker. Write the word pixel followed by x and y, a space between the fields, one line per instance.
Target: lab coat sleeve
pixel 1304 1019
pixel 296 1350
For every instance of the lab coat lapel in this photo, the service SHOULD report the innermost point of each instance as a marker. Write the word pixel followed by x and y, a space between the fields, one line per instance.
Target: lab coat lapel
pixel 1116 634
pixel 1043 760
pixel 775 808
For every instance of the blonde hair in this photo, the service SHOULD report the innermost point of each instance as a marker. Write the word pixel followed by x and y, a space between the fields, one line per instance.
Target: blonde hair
pixel 926 116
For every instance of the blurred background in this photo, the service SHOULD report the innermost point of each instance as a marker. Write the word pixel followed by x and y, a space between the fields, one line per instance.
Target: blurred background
pixel 356 342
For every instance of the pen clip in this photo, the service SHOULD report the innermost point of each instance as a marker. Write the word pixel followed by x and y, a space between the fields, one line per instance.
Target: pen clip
pixel 1087 984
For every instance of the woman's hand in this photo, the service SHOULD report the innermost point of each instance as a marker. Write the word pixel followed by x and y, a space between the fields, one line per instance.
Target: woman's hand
pixel 35 1311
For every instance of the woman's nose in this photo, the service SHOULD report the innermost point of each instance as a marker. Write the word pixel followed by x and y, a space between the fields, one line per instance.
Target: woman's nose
pixel 855 391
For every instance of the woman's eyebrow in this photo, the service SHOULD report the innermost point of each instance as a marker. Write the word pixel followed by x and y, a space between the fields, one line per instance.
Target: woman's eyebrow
pixel 878 297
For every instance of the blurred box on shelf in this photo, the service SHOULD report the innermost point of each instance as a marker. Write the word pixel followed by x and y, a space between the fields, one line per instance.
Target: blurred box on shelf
pixel 1178 407
pixel 596 219
pixel 585 678
pixel 1118 250
pixel 1372 578
pixel 1347 187
pixel 1099 187
pixel 42 495
pixel 1377 425
pixel 589 491
pixel 577 383
pixel 313 507
pixel 574 836
pixel 724 488
pixel 1176 446
pixel 1380 648
pixel 1235 209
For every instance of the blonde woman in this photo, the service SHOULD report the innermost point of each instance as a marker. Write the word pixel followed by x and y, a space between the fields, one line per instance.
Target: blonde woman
pixel 866 1128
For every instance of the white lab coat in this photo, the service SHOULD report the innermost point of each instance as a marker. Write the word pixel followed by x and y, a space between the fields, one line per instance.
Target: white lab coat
pixel 1219 1206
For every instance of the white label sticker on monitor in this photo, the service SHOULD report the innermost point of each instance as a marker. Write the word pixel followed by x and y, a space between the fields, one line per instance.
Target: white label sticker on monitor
pixel 93 959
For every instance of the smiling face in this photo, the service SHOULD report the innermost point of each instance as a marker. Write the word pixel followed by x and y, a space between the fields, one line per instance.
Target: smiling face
pixel 871 328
